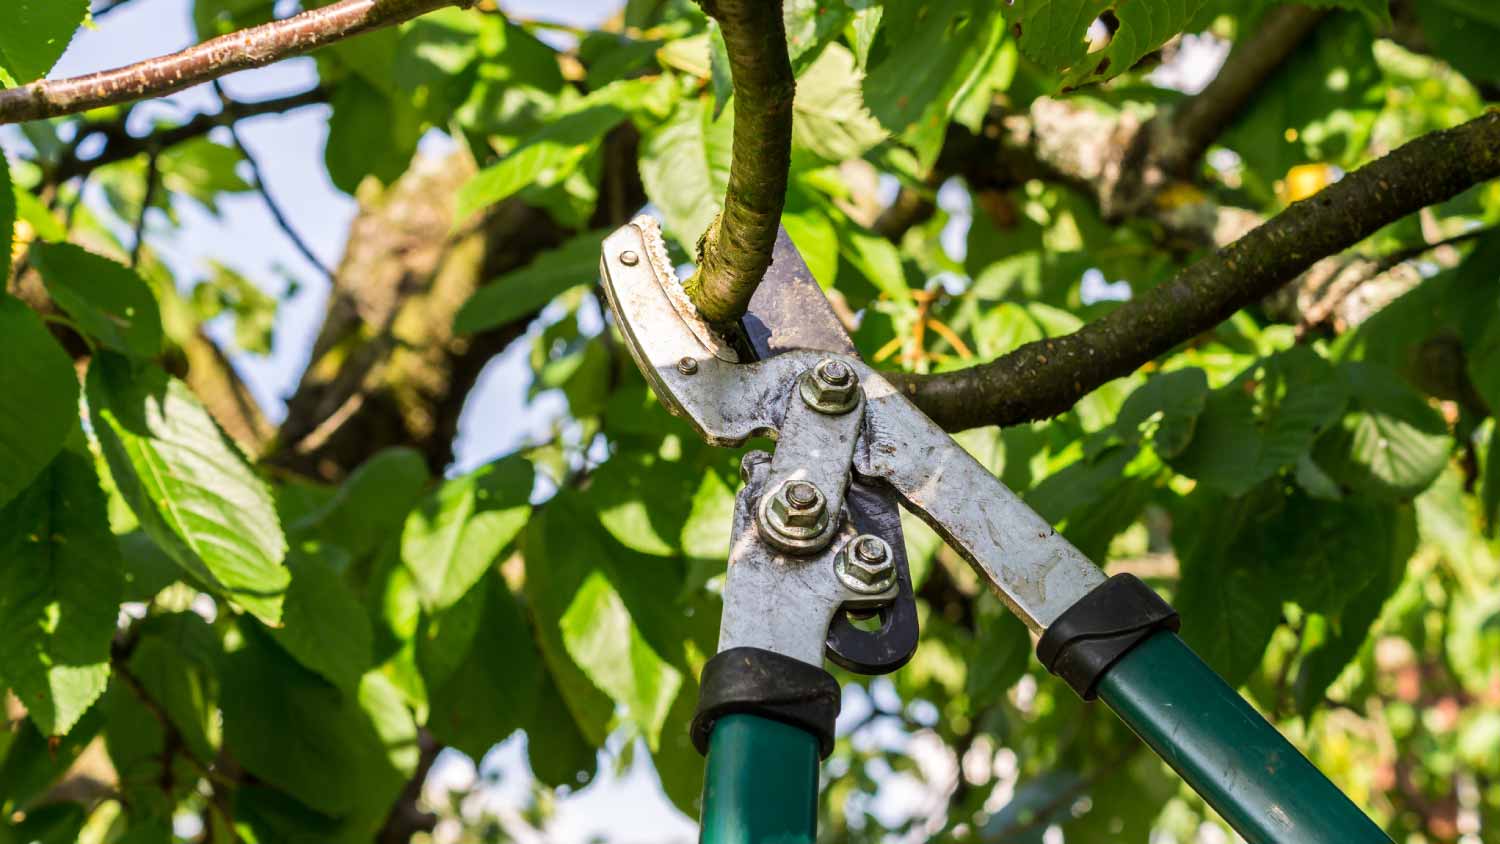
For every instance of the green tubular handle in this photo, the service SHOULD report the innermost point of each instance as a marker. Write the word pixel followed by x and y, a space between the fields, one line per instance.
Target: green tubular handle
pixel 1228 753
pixel 761 784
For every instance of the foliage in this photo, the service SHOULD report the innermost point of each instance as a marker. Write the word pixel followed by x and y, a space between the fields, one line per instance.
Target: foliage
pixel 1318 502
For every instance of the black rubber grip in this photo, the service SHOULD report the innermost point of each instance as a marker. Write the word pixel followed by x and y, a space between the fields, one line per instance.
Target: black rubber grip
pixel 771 685
pixel 1103 626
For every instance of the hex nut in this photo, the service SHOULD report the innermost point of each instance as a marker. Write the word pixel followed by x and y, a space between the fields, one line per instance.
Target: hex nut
pixel 866 565
pixel 831 387
pixel 797 504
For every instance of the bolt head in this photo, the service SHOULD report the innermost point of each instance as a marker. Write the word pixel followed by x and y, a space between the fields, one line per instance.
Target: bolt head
pixel 629 258
pixel 831 387
pixel 798 504
pixel 867 565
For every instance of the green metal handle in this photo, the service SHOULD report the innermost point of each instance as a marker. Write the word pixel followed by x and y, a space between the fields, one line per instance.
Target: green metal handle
pixel 761 784
pixel 1227 752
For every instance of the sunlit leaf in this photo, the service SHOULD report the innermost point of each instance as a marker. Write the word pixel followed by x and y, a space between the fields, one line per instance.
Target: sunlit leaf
pixel 188 484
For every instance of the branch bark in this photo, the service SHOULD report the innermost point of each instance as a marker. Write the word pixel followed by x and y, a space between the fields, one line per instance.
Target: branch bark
pixel 736 250
pixel 1044 378
pixel 254 47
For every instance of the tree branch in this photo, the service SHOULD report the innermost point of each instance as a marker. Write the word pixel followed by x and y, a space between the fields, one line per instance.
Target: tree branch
pixel 265 190
pixel 120 145
pixel 254 47
pixel 1044 378
pixel 736 250
pixel 1179 141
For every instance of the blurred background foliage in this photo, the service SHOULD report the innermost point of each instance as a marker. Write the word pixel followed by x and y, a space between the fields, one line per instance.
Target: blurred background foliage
pixel 269 634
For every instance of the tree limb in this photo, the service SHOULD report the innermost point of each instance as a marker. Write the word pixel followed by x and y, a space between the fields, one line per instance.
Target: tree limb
pixel 256 46
pixel 1044 378
pixel 1179 141
pixel 120 145
pixel 736 250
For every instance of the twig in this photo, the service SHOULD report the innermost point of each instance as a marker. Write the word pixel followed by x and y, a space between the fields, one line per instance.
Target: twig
pixel 1044 378
pixel 120 145
pixel 140 220
pixel 256 46
pixel 736 250
pixel 265 191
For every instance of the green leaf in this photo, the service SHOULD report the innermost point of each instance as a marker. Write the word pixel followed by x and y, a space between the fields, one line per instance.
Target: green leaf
pixel 34 761
pixel 1144 26
pixel 342 754
pixel 1229 604
pixel 1092 500
pixel 1462 32
pixel 107 299
pixel 458 532
pixel 551 155
pixel 253 309
pixel 7 216
pixel 643 500
pixel 369 134
pixel 815 234
pixel 998 655
pixel 1263 421
pixel 371 505
pixel 877 259
pixel 561 551
pixel 1391 443
pixel 830 119
pixel 176 662
pixel 38 401
pixel 324 626
pixel 33 36
pixel 202 170
pixel 188 484
pixel 59 593
pixel 212 18
pixel 1329 647
pixel 523 291
pixel 922 56
pixel 685 167
pixel 493 692
pixel 607 645
pixel 810 27
pixel 1166 409
pixel 58 823
pixel 558 752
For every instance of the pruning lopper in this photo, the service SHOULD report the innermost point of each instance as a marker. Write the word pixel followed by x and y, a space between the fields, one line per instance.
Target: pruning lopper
pixel 816 546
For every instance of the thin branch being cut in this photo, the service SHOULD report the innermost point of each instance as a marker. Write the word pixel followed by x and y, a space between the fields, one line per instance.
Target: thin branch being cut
pixel 736 250
pixel 1044 378
pixel 256 46
pixel 265 190
pixel 120 145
